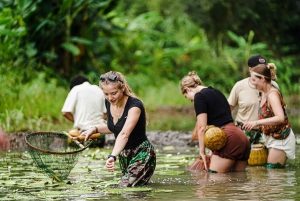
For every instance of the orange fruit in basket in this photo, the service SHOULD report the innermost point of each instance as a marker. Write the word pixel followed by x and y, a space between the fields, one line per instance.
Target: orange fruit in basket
pixel 214 138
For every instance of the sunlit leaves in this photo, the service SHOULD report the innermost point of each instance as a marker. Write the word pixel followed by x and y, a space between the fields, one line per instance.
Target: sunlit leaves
pixel 71 48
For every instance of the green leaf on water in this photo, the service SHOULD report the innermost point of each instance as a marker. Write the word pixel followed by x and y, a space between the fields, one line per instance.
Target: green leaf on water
pixel 122 190
pixel 169 148
pixel 163 191
pixel 167 166
pixel 137 189
pixel 169 172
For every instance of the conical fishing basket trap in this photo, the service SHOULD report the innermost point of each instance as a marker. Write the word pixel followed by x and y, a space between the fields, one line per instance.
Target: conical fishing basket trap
pixel 214 138
pixel 55 153
pixel 258 155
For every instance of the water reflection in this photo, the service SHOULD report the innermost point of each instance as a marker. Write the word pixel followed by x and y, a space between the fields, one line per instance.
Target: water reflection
pixel 257 183
pixel 21 180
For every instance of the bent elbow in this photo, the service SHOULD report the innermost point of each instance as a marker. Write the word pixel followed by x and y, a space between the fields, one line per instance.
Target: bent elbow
pixel 282 119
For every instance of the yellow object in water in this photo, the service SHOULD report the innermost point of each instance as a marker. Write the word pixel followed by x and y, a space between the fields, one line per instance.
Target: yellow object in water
pixel 258 155
pixel 214 138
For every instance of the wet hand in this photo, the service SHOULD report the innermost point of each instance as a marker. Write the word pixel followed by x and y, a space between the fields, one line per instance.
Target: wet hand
pixel 203 156
pixel 110 164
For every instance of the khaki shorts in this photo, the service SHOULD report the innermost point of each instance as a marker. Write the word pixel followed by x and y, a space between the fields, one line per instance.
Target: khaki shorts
pixel 288 145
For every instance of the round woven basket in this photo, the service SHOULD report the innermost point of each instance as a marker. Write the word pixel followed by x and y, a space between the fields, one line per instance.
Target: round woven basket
pixel 214 138
pixel 258 155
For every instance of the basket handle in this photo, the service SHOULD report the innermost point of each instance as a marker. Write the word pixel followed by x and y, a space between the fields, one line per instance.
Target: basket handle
pixel 82 137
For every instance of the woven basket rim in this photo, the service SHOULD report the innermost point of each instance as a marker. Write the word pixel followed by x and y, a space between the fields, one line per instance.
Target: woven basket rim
pixel 257 145
pixel 52 152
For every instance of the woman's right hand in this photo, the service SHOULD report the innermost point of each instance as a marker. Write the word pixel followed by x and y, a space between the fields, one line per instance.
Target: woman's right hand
pixel 203 156
pixel 110 164
pixel 87 133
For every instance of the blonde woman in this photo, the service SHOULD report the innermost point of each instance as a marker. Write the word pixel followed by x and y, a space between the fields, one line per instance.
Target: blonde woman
pixel 126 118
pixel 212 108
pixel 277 133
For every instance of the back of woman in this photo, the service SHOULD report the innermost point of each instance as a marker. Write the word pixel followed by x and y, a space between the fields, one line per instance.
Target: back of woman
pixel 212 108
pixel 214 103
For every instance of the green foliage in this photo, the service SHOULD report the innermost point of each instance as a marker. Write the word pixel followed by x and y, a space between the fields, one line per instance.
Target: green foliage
pixel 12 31
pixel 63 32
pixel 33 105
pixel 153 43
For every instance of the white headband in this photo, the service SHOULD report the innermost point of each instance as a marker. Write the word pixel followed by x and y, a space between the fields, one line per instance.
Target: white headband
pixel 255 73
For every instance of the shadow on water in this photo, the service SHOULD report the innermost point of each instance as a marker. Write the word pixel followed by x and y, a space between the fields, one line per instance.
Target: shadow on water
pixel 20 179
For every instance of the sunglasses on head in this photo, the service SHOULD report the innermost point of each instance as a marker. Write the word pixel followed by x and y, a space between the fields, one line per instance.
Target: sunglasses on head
pixel 111 78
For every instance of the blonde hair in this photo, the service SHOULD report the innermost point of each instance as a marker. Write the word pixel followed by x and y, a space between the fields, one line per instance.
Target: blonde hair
pixel 265 70
pixel 191 80
pixel 119 84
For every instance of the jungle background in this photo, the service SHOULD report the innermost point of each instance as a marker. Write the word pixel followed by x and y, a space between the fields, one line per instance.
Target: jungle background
pixel 44 43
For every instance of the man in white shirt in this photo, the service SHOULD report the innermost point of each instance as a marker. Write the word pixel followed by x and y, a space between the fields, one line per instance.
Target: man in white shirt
pixel 85 106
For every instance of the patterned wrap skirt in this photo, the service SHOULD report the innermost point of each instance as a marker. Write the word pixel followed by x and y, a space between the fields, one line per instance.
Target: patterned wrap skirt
pixel 137 165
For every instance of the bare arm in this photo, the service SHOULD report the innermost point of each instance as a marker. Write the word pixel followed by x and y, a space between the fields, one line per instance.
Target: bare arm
pixel 132 119
pixel 201 126
pixel 122 139
pixel 278 118
pixel 68 115
pixel 96 129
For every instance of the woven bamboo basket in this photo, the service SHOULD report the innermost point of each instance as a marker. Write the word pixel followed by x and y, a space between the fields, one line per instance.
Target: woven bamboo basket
pixel 199 164
pixel 258 155
pixel 214 138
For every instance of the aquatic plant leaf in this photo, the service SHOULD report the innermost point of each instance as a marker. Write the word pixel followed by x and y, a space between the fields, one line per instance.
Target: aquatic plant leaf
pixel 169 172
pixel 137 189
pixel 122 190
pixel 169 148
pixel 167 166
pixel 163 191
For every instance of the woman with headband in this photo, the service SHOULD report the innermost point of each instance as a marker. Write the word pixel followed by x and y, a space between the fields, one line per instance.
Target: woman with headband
pixel 277 133
pixel 126 118
pixel 212 108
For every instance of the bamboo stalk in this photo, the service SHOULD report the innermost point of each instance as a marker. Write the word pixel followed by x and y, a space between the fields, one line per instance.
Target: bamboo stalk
pixel 76 141
pixel 82 137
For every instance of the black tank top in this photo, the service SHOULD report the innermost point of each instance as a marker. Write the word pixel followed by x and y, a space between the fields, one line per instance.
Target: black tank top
pixel 138 134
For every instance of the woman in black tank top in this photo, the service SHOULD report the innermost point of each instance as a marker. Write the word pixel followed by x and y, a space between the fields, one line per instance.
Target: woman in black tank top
pixel 126 119
pixel 212 108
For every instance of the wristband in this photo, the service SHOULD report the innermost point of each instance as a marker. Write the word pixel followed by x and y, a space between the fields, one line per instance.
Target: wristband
pixel 112 156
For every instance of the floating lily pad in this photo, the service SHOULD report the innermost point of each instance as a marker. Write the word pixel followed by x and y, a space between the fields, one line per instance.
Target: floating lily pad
pixel 122 190
pixel 163 191
pixel 169 172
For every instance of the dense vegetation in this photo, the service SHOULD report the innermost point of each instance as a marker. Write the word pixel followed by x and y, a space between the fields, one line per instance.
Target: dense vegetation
pixel 43 43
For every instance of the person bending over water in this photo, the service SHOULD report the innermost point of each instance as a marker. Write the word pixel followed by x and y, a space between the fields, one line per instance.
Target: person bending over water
pixel 212 108
pixel 126 118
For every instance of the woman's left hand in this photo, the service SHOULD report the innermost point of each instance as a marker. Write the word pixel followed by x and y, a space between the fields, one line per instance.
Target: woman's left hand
pixel 110 164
